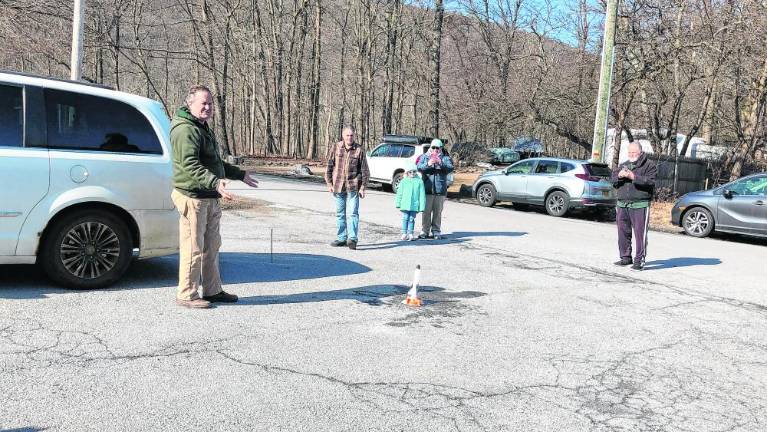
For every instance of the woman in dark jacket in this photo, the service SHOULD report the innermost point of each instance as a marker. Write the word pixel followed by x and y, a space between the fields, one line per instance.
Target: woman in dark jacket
pixel 434 166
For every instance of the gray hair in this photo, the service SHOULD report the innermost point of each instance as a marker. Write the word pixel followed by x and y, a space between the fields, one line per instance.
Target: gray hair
pixel 637 144
pixel 193 90
pixel 348 128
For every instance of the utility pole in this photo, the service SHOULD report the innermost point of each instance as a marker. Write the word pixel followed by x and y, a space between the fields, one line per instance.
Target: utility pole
pixel 605 83
pixel 76 62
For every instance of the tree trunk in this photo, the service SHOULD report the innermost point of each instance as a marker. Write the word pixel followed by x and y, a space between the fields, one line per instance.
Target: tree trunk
pixel 314 122
pixel 753 116
pixel 434 66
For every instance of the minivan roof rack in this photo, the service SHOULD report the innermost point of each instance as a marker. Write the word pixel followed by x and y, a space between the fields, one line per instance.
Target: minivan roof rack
pixel 30 75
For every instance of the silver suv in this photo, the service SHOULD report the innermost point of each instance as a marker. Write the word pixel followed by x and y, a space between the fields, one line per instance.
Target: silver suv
pixel 557 184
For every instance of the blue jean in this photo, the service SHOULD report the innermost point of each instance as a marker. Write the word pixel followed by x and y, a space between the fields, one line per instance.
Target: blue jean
pixel 347 201
pixel 408 221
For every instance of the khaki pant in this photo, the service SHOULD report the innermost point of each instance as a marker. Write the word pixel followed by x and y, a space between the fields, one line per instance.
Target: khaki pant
pixel 431 220
pixel 199 242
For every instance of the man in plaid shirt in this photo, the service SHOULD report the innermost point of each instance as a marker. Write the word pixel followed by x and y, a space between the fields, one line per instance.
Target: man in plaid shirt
pixel 347 177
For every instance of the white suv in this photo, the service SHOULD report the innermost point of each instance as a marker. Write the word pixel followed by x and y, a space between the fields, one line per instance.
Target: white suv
pixel 86 178
pixel 388 161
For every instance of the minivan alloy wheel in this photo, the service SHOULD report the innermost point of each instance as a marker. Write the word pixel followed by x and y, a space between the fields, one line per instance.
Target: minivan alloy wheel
pixel 86 249
pixel 89 250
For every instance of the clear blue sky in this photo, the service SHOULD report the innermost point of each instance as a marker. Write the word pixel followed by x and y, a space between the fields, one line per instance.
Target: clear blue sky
pixel 557 18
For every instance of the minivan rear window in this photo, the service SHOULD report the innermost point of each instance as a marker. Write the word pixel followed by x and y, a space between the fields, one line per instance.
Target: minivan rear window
pixel 11 116
pixel 598 170
pixel 84 122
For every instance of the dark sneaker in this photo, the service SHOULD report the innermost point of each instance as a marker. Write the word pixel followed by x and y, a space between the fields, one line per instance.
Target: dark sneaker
pixel 437 236
pixel 624 262
pixel 222 297
pixel 352 244
pixel 338 243
pixel 637 266
pixel 193 304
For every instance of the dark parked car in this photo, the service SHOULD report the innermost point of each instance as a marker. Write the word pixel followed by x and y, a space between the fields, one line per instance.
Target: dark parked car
pixel 738 207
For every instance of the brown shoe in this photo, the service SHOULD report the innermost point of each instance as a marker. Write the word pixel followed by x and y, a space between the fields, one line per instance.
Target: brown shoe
pixel 194 303
pixel 222 297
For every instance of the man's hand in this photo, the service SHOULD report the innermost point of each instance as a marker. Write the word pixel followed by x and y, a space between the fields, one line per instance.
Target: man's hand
pixel 221 188
pixel 250 180
pixel 362 192
pixel 623 173
pixel 330 188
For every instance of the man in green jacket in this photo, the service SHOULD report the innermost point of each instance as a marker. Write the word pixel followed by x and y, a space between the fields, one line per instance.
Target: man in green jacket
pixel 199 181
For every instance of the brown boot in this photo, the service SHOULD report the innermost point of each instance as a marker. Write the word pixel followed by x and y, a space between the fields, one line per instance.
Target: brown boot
pixel 194 303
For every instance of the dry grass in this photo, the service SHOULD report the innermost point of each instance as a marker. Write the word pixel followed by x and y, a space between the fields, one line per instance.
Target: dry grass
pixel 660 217
pixel 241 203
pixel 462 178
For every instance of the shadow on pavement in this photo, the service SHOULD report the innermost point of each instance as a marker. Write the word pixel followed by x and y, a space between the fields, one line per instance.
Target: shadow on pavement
pixel 451 238
pixel 472 234
pixel 680 262
pixel 27 282
pixel 371 295
pixel 24 429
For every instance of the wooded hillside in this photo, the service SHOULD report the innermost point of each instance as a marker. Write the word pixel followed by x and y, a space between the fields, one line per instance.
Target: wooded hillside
pixel 288 74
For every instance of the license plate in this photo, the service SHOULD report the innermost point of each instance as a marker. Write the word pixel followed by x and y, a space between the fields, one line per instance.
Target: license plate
pixel 605 193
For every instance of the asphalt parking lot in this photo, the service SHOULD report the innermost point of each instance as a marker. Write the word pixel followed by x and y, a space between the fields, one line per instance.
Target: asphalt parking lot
pixel 526 325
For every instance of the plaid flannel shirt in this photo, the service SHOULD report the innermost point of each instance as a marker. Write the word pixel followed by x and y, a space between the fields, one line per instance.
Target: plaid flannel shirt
pixel 347 170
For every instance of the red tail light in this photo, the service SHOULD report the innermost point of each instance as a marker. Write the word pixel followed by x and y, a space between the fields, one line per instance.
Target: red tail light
pixel 588 177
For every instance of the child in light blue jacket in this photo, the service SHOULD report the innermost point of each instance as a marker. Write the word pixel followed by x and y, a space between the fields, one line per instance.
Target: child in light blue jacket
pixel 411 199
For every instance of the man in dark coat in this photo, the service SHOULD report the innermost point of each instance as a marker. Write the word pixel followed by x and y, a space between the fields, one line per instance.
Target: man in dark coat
pixel 634 180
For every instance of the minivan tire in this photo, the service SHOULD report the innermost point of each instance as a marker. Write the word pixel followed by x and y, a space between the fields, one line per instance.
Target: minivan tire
pixel 557 203
pixel 87 249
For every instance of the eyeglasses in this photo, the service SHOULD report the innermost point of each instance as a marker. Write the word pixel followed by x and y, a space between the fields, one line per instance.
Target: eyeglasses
pixel 435 147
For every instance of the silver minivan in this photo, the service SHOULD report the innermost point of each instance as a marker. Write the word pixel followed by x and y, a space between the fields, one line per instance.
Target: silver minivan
pixel 86 179
pixel 557 184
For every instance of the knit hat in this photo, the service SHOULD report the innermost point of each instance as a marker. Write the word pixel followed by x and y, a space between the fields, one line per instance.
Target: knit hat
pixel 436 142
pixel 410 166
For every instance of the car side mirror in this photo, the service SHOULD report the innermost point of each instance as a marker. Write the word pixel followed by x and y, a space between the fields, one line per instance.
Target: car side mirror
pixel 727 194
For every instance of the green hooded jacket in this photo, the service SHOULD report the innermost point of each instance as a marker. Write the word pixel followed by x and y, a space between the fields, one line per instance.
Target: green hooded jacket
pixel 411 195
pixel 197 165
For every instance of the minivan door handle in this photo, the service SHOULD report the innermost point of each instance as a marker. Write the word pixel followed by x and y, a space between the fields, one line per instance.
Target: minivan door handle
pixel 760 202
